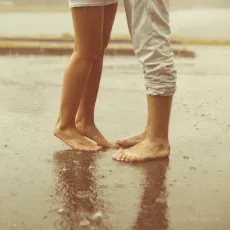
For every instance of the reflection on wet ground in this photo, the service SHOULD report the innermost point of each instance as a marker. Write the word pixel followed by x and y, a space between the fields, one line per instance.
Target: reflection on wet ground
pixel 84 208
pixel 76 187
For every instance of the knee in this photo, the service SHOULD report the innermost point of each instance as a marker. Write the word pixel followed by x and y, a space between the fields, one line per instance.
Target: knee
pixel 90 54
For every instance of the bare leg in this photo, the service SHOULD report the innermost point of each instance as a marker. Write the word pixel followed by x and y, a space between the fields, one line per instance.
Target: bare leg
pixel 85 117
pixel 88 23
pixel 156 144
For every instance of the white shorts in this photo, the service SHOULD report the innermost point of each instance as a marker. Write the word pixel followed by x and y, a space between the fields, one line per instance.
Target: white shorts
pixel 79 3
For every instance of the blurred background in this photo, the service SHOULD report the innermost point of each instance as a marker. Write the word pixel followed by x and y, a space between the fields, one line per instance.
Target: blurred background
pixel 199 19
pixel 175 4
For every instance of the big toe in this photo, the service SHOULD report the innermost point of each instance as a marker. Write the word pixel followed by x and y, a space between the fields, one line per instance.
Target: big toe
pixel 96 147
pixel 107 144
pixel 117 155
pixel 128 158
pixel 114 145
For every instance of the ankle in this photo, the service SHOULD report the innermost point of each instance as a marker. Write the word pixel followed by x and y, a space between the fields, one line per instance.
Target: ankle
pixel 159 144
pixel 63 126
pixel 161 135
pixel 159 139
pixel 84 122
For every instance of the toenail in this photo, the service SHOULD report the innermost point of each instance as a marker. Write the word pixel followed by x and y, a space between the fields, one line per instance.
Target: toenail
pixel 123 158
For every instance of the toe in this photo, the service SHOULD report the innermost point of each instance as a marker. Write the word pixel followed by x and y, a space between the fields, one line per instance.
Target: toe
pixel 99 147
pixel 114 145
pixel 123 156
pixel 118 155
pixel 127 158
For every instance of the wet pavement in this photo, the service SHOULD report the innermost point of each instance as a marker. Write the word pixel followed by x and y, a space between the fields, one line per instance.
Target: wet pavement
pixel 43 185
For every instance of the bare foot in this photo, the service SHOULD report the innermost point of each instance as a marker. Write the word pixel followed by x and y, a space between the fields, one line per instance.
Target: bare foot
pixel 94 134
pixel 74 139
pixel 131 141
pixel 146 150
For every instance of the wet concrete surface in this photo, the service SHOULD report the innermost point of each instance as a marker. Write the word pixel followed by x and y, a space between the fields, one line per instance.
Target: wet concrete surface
pixel 43 185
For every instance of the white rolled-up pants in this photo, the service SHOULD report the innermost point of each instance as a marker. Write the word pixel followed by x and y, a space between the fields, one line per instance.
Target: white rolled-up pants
pixel 148 22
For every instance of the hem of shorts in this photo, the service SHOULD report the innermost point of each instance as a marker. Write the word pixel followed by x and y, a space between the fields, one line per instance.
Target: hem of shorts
pixel 90 4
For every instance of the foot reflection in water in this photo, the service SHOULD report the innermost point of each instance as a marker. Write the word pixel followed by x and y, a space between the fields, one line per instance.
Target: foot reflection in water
pixel 76 187
pixel 153 213
pixel 82 208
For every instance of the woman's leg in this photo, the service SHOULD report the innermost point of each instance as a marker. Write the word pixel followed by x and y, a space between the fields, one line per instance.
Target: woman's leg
pixel 85 117
pixel 88 24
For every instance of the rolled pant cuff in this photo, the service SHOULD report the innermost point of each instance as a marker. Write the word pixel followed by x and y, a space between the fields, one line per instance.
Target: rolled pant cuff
pixel 163 91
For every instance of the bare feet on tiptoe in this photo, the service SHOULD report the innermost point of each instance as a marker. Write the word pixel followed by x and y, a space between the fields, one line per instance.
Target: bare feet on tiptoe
pixel 144 151
pixel 131 141
pixel 92 132
pixel 71 137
